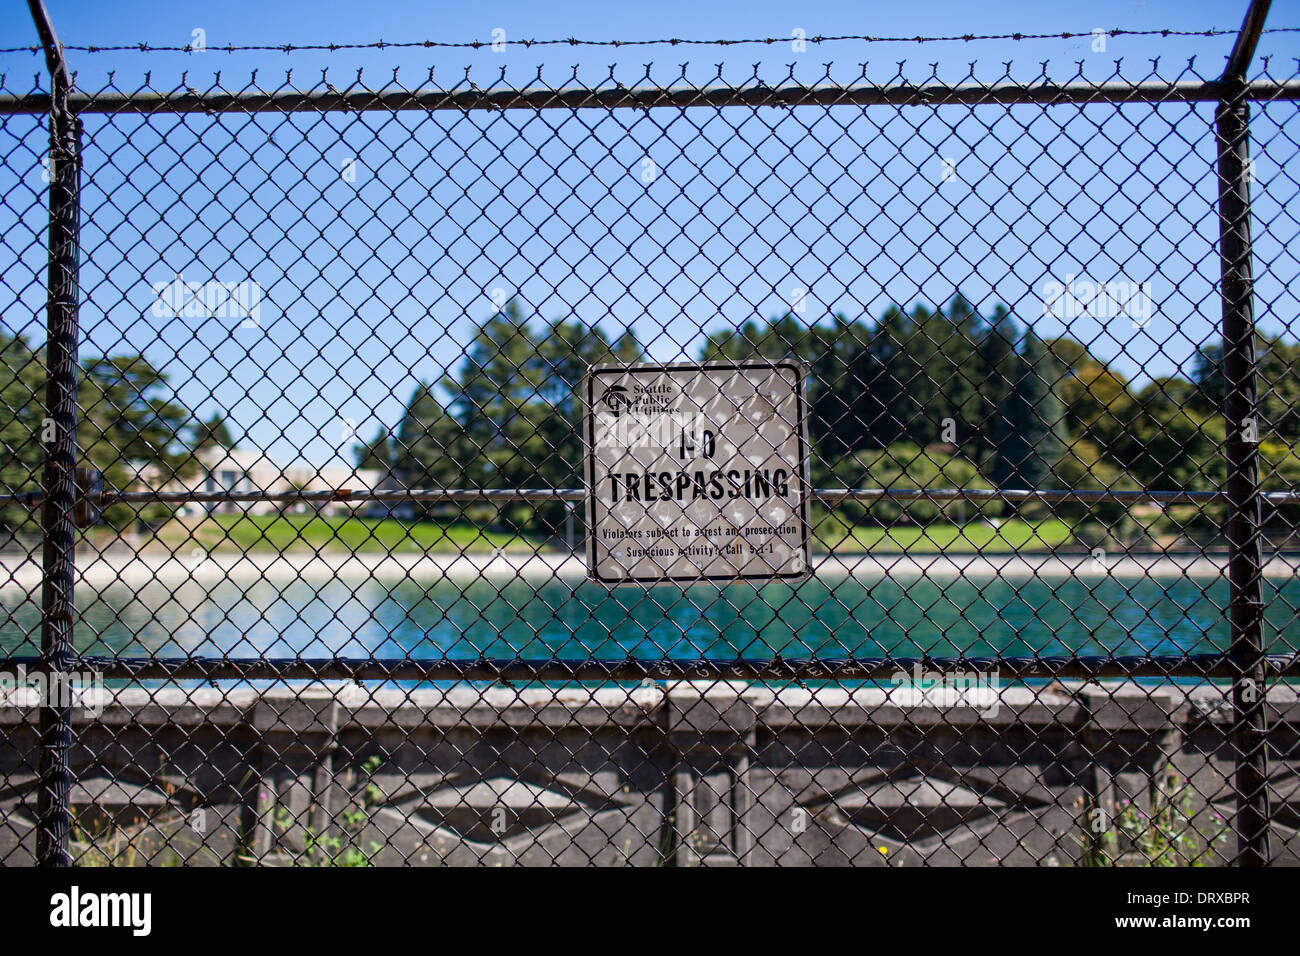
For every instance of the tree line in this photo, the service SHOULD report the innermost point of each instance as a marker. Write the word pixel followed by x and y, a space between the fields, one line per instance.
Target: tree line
pixel 920 398
pixel 127 424
pixel 926 398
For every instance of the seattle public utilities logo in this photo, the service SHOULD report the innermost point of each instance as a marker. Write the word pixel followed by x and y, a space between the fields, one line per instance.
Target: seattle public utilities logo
pixel 616 399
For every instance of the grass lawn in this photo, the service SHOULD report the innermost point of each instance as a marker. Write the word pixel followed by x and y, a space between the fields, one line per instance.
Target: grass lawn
pixel 1011 535
pixel 310 533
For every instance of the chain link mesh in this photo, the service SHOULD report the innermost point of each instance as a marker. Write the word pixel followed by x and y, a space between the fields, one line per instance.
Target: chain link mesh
pixel 332 603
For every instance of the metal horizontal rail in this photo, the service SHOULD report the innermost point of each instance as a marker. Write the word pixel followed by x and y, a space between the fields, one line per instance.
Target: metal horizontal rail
pixel 541 495
pixel 933 94
pixel 1218 666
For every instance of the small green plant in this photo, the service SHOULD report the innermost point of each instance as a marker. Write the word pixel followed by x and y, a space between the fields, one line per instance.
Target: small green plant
pixel 343 848
pixel 1169 835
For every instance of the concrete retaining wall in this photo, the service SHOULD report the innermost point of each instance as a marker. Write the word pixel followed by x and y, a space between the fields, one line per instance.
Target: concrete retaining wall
pixel 684 775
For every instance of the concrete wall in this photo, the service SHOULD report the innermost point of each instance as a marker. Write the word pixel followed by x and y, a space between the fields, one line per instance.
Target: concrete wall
pixel 685 775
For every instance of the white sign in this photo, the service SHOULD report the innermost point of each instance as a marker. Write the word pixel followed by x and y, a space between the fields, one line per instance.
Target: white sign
pixel 696 472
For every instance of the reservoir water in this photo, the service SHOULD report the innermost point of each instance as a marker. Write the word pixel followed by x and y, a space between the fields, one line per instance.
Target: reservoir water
pixel 536 618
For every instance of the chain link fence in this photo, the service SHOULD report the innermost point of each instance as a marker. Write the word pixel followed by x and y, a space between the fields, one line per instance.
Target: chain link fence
pixel 297 549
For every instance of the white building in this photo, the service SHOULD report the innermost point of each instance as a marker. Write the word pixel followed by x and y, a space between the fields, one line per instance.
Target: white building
pixel 239 470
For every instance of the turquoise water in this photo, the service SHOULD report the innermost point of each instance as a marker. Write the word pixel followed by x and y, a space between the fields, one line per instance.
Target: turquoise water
pixel 574 619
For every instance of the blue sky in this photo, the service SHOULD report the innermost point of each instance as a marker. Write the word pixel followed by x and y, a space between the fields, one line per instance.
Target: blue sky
pixel 371 285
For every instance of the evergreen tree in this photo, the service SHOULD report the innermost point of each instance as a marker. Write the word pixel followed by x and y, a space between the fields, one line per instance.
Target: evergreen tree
pixel 565 351
pixel 1043 405
pixel 513 414
pixel 962 378
pixel 130 429
pixel 835 382
pixel 838 384
pixel 22 409
pixel 214 433
pixel 1278 385
pixel 378 454
pixel 998 368
pixel 495 397
pixel 1028 432
pixel 428 449
pixel 894 377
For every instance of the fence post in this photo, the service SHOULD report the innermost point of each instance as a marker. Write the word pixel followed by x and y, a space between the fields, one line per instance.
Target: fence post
pixel 1241 451
pixel 58 518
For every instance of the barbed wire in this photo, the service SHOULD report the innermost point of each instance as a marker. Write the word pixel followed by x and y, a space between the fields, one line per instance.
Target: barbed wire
pixel 673 41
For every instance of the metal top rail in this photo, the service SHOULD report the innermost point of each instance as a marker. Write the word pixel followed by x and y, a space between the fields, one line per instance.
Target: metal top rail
pixel 930 94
